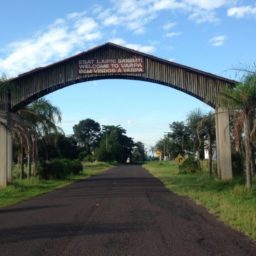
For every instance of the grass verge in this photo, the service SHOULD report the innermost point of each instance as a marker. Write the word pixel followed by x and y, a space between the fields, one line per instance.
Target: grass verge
pixel 230 201
pixel 20 190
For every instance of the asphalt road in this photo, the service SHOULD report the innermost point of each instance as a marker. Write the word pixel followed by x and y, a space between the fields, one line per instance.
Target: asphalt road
pixel 124 211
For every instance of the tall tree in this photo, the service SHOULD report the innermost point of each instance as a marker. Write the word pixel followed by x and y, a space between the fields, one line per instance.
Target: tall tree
pixel 87 133
pixel 115 145
pixel 138 152
pixel 34 120
pixel 242 100
pixel 167 147
pixel 180 136
pixel 42 118
pixel 193 119
pixel 206 129
pixel 63 147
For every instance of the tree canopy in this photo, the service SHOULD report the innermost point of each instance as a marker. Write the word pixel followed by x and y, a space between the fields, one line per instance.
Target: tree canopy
pixel 114 145
pixel 87 133
pixel 241 100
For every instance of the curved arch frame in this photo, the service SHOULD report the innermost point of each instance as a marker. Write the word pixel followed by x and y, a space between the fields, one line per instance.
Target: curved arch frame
pixel 46 91
pixel 33 84
pixel 204 86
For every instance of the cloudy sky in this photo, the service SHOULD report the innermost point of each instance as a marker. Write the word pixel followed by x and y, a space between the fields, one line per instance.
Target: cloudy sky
pixel 215 36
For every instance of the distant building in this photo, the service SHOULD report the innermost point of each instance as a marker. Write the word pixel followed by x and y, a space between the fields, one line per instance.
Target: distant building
pixel 206 151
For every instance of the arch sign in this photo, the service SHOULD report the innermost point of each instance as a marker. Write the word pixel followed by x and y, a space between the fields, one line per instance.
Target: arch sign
pixel 127 65
pixel 111 61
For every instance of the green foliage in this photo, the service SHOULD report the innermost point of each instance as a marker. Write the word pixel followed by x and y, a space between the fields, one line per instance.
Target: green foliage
pixel 20 190
pixel 190 165
pixel 180 136
pixel 243 96
pixel 138 153
pixel 87 133
pixel 114 145
pixel 57 146
pixel 60 168
pixel 89 158
pixel 42 116
pixel 193 119
pixel 76 167
pixel 237 164
pixel 82 154
pixel 242 100
pixel 67 147
pixel 104 154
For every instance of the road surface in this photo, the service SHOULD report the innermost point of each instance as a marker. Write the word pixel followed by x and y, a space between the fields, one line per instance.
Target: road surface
pixel 124 211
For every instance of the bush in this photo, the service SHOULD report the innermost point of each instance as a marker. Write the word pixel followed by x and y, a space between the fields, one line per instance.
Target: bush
pixel 89 158
pixel 60 168
pixel 76 166
pixel 190 165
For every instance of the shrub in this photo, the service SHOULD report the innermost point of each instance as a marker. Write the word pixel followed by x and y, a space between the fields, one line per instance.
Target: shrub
pixel 190 165
pixel 60 168
pixel 89 158
pixel 76 166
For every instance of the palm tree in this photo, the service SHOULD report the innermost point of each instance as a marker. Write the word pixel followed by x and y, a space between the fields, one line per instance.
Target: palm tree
pixel 35 120
pixel 41 118
pixel 193 120
pixel 242 100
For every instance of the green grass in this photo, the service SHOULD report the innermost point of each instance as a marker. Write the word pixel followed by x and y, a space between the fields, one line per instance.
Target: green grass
pixel 230 201
pixel 20 190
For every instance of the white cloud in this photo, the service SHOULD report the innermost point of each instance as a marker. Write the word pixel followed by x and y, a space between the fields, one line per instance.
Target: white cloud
pixel 131 14
pixel 207 4
pixel 218 40
pixel 172 34
pixel 202 16
pixel 78 31
pixel 85 25
pixel 169 25
pixel 59 40
pixel 134 15
pixel 168 5
pixel 189 4
pixel 111 20
pixel 137 47
pixel 242 11
pixel 202 11
pixel 198 10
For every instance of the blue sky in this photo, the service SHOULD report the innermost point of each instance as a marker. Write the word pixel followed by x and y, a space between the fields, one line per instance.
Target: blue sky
pixel 215 36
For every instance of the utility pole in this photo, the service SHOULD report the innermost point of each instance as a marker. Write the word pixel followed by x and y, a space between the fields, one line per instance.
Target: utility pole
pixel 166 146
pixel 106 141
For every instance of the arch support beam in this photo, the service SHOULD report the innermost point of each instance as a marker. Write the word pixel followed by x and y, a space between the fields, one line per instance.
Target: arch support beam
pixel 223 145
pixel 5 154
pixel 9 156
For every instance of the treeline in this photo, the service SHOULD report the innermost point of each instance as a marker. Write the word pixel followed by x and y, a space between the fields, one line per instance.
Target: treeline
pixel 41 147
pixel 195 134
pixel 107 143
pixel 190 138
